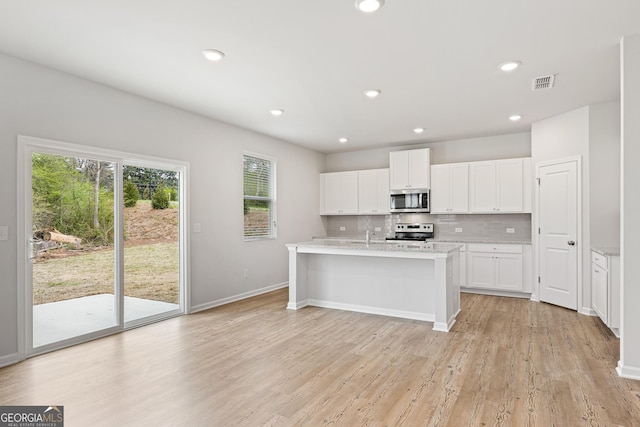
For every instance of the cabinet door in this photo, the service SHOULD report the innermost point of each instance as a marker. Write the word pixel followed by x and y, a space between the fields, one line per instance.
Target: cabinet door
pixel 332 195
pixel 373 191
pixel 341 193
pixel 349 192
pixel 367 194
pixel 459 188
pixel 480 270
pixel 399 170
pixel 509 186
pixel 463 268
pixel 599 292
pixel 482 197
pixel 508 272
pixel 440 189
pixel 382 190
pixel 419 176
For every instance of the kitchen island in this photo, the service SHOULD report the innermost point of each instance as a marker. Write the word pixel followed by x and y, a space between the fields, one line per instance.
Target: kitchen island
pixel 410 280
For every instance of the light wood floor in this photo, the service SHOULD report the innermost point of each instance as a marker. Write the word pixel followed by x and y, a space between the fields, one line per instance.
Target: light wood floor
pixel 507 362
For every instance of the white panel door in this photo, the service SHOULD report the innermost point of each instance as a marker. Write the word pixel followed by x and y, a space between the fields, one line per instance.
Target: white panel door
pixel 558 222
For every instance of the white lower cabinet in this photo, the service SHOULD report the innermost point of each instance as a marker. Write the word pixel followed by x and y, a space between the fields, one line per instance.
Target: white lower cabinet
pixel 499 267
pixel 605 289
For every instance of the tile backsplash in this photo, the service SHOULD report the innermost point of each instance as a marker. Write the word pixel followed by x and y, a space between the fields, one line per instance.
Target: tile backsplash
pixel 471 227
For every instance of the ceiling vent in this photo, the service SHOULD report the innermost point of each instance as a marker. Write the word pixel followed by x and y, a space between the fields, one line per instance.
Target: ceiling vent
pixel 545 82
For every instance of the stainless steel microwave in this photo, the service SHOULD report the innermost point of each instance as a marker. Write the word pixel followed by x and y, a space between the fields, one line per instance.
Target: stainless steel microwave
pixel 414 200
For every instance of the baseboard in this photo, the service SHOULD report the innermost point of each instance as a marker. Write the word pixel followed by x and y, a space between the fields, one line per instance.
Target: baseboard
pixel 239 297
pixel 297 305
pixel 495 293
pixel 629 372
pixel 9 359
pixel 373 310
pixel 587 311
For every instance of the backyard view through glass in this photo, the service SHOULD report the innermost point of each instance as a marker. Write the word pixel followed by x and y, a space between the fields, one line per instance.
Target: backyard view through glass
pixel 74 281
pixel 73 234
pixel 151 242
pixel 259 197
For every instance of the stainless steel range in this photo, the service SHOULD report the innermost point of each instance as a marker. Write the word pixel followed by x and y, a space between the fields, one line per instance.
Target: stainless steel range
pixel 418 232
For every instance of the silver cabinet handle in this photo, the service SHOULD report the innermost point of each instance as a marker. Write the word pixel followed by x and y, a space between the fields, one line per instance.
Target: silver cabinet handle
pixel 571 243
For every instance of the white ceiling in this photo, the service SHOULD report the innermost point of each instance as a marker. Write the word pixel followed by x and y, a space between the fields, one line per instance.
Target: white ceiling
pixel 434 60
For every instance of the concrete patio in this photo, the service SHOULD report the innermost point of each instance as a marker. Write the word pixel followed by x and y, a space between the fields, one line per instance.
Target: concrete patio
pixel 60 320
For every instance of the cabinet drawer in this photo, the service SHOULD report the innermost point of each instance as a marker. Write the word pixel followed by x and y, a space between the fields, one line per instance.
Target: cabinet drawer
pixel 497 248
pixel 599 260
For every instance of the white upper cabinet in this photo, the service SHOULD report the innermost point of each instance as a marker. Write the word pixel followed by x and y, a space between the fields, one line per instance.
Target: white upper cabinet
pixel 373 192
pixel 409 169
pixel 500 186
pixel 450 188
pixel 339 193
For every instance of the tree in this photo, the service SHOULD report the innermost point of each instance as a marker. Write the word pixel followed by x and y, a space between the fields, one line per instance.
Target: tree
pixel 160 198
pixel 131 194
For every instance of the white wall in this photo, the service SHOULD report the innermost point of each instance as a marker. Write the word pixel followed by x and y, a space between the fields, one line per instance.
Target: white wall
pixel 40 102
pixel 604 178
pixel 629 365
pixel 462 150
pixel 592 133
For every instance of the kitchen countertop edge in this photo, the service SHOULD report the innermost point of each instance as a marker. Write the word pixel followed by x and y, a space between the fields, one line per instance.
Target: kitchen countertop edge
pixel 606 250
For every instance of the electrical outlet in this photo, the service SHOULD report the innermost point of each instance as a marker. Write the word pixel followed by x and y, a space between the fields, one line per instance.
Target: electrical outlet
pixel 245 273
pixel 378 229
pixel 342 228
pixel 511 230
pixel 458 230
pixel 4 232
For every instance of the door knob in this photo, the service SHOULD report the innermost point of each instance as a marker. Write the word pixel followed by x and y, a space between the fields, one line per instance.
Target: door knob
pixel 571 243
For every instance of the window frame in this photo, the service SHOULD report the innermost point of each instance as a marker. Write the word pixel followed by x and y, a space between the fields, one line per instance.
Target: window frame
pixel 272 200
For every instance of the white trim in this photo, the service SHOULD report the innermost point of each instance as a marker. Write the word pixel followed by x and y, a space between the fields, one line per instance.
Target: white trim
pixel 27 145
pixel 510 294
pixel 632 373
pixel 535 295
pixel 239 297
pixel 426 317
pixel 10 359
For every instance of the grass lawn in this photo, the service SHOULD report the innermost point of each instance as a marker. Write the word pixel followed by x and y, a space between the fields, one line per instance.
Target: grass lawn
pixel 151 272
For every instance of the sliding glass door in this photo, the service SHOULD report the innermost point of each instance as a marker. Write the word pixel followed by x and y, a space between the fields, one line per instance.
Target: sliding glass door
pixel 104 243
pixel 73 256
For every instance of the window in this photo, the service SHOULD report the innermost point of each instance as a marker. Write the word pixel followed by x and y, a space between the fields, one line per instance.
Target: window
pixel 259 197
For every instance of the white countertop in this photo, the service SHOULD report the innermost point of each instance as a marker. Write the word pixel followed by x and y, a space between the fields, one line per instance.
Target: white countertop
pixel 378 246
pixel 606 250
pixel 459 241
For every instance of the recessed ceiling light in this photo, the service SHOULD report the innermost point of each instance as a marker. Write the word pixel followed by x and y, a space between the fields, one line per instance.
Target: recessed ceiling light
pixel 509 65
pixel 418 130
pixel 343 140
pixel 515 117
pixel 372 93
pixel 213 55
pixel 276 112
pixel 369 6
